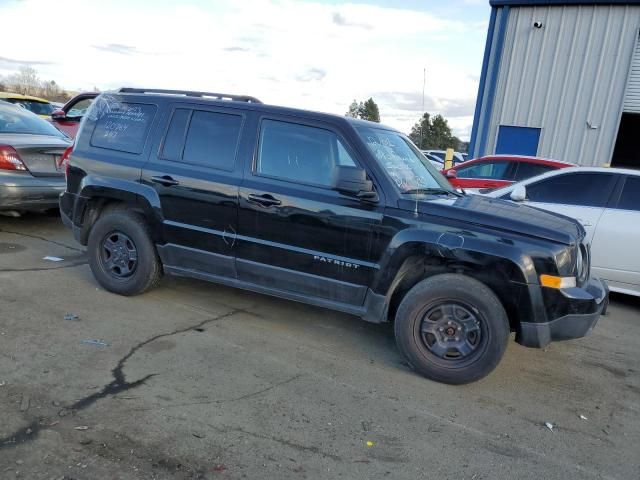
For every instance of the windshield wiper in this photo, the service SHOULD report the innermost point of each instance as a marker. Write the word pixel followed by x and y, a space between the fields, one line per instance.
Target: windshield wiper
pixel 432 191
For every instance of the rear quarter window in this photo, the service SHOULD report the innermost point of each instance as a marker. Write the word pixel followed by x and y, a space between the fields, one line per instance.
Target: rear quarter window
pixel 124 127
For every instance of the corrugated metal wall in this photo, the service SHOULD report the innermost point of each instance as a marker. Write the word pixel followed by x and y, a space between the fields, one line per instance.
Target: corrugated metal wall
pixel 567 78
pixel 632 94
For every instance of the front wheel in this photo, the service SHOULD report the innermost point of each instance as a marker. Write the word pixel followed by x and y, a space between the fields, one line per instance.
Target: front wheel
pixel 452 328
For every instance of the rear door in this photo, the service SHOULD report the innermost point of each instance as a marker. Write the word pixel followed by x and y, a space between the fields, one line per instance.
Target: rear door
pixel 582 196
pixel 74 111
pixel 614 250
pixel 195 169
pixel 296 234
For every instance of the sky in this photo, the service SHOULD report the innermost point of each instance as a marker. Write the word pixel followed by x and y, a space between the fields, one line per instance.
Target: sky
pixel 310 54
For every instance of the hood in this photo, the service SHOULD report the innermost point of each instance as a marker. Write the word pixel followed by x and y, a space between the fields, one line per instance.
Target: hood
pixel 503 215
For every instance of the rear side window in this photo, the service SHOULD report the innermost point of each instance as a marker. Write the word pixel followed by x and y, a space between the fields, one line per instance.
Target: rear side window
pixel 300 153
pixel 485 170
pixel 582 189
pixel 199 137
pixel 630 198
pixel 124 127
pixel 528 170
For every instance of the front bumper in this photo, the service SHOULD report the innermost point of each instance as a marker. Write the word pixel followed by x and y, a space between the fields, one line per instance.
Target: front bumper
pixel 24 192
pixel 579 309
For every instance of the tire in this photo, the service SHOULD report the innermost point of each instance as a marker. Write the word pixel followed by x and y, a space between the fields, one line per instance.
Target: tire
pixel 115 239
pixel 452 328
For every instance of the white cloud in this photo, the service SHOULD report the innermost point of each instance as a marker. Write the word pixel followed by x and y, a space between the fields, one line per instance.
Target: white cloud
pixel 295 53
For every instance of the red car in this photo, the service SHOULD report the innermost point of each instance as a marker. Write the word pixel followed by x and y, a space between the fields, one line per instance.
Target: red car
pixel 497 171
pixel 67 119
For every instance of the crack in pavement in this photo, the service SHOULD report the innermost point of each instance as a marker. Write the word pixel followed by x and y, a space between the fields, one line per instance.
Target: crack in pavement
pixel 117 385
pixel 282 441
pixel 37 237
pixel 219 401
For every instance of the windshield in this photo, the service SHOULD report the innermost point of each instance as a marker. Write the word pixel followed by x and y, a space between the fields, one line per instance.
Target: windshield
pixel 403 162
pixel 14 119
pixel 39 108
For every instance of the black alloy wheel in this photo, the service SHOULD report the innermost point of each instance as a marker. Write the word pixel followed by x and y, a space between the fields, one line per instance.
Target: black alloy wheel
pixel 119 255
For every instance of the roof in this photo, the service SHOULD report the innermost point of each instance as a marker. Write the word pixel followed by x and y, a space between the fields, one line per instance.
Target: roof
pixel 520 158
pixel 252 105
pixel 560 3
pixel 19 96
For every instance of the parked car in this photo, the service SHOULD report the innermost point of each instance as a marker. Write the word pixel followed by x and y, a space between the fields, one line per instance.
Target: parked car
pixel 607 203
pixel 327 210
pixel 37 105
pixel 67 119
pixel 30 152
pixel 498 171
pixel 437 161
pixel 441 154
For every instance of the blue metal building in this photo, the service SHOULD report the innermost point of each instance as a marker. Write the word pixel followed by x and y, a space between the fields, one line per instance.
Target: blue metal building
pixel 561 79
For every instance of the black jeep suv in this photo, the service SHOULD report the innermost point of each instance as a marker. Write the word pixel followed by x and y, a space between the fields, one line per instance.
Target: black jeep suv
pixel 323 209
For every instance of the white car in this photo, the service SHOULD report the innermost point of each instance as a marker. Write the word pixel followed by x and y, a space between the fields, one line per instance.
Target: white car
pixel 607 203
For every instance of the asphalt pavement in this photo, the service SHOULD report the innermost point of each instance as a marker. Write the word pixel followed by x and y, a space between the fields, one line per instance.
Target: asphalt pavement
pixel 199 381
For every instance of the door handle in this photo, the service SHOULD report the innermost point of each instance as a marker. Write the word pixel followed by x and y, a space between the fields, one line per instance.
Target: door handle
pixel 165 180
pixel 265 200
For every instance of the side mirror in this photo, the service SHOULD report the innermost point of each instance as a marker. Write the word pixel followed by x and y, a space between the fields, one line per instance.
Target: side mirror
pixel 58 114
pixel 451 174
pixel 519 193
pixel 353 181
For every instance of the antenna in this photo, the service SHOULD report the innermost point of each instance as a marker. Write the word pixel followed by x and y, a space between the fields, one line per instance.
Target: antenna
pixel 424 82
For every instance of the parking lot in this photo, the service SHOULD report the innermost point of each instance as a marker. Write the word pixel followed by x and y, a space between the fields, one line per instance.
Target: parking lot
pixel 203 381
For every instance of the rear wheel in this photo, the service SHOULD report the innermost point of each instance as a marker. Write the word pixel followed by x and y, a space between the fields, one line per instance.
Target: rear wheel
pixel 122 255
pixel 452 328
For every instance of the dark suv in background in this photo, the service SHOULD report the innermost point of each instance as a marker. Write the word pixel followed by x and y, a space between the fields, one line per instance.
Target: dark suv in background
pixel 327 210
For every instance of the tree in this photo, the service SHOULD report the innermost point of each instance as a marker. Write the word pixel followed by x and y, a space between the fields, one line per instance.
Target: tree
pixel 370 111
pixel 26 81
pixel 433 133
pixel 354 110
pixel 365 110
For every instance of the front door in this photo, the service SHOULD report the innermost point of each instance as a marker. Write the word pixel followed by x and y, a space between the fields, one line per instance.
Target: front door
pixel 582 196
pixel 196 171
pixel 485 174
pixel 295 233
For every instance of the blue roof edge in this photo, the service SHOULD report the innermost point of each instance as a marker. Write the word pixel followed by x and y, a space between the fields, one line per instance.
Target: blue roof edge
pixel 524 3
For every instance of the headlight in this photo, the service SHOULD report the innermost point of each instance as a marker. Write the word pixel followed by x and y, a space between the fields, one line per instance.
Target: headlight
pixel 579 261
pixel 582 262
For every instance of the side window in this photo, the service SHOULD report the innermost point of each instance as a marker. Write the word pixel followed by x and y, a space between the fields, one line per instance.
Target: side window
pixel 202 138
pixel 528 170
pixel 630 198
pixel 300 153
pixel 79 108
pixel 174 140
pixel 583 189
pixel 487 170
pixel 124 127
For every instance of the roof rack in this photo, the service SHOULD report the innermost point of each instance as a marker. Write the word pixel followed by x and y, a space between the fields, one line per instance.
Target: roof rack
pixel 188 93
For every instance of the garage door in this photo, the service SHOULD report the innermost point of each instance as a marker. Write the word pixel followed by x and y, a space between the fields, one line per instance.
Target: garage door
pixel 632 94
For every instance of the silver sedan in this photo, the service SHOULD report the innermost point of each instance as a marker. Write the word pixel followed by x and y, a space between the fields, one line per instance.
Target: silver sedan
pixel 31 177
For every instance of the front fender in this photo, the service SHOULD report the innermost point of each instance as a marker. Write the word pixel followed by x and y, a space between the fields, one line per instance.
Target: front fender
pixel 450 247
